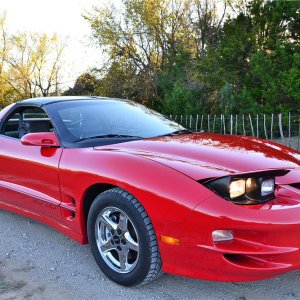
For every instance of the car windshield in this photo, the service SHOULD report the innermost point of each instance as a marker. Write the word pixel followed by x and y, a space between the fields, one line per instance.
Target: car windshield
pixel 96 119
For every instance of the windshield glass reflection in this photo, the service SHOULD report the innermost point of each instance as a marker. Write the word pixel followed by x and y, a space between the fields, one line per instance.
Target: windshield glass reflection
pixel 88 119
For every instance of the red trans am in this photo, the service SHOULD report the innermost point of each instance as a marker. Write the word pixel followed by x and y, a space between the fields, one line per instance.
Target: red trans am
pixel 149 195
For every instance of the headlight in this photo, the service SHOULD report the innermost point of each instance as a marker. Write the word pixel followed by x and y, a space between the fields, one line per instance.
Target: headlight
pixel 253 188
pixel 237 188
pixel 267 187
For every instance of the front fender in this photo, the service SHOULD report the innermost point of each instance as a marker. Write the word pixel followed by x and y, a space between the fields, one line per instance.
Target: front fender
pixel 167 195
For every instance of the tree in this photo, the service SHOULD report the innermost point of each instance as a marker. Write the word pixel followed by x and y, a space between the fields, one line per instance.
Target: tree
pixel 232 56
pixel 139 39
pixel 178 85
pixel 207 23
pixel 6 92
pixel 34 64
pixel 85 84
pixel 144 38
pixel 255 67
pixel 30 65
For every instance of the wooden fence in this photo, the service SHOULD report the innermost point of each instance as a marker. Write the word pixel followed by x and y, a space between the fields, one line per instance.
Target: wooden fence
pixel 284 129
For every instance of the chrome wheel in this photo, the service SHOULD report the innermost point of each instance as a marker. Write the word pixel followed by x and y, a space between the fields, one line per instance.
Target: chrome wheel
pixel 122 238
pixel 117 240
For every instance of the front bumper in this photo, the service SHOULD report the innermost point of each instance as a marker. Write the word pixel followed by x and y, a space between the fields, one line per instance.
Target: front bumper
pixel 266 240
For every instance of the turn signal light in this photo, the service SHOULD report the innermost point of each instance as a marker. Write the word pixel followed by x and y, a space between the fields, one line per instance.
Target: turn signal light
pixel 170 240
pixel 222 235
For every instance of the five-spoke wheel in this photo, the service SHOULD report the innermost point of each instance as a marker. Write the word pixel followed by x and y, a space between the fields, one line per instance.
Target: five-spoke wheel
pixel 122 238
pixel 117 240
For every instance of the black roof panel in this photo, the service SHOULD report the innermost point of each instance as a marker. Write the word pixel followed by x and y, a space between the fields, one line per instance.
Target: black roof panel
pixel 48 100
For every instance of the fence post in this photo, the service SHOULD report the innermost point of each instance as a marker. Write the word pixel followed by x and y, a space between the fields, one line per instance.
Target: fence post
pixel 208 123
pixel 272 122
pixel 181 119
pixel 191 121
pixel 231 124
pixel 280 127
pixel 251 125
pixel 265 127
pixel 186 120
pixel 244 131
pixel 289 129
pixel 197 119
pixel 224 124
pixel 298 134
pixel 201 122
pixel 257 132
pixel 236 124
pixel 214 123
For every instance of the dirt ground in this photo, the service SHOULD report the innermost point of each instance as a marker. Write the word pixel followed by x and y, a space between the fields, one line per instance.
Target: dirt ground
pixel 37 262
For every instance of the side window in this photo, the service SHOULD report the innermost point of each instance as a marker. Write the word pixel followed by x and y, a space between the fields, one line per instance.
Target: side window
pixel 26 120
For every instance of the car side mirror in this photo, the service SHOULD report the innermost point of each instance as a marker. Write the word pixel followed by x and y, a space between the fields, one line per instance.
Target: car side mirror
pixel 43 139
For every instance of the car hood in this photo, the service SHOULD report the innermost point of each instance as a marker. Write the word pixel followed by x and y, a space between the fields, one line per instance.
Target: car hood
pixel 204 155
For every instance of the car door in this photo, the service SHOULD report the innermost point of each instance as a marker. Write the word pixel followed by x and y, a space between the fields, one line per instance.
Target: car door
pixel 29 174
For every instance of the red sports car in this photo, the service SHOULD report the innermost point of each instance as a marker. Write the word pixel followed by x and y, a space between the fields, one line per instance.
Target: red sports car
pixel 149 195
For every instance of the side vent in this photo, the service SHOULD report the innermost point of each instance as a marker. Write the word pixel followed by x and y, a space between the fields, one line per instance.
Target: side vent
pixel 68 206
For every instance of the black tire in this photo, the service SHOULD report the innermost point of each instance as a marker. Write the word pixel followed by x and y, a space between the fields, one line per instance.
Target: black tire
pixel 145 263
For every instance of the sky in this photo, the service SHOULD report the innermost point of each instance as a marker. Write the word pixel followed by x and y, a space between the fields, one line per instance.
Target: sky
pixel 63 17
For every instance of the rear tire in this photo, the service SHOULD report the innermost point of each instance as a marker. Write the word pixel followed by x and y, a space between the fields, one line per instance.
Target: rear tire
pixel 122 239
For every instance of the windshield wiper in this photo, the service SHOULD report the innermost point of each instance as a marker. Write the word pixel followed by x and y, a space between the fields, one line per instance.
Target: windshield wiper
pixel 111 135
pixel 177 132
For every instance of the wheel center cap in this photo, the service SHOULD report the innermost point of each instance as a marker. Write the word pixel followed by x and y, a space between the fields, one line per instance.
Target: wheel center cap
pixel 116 239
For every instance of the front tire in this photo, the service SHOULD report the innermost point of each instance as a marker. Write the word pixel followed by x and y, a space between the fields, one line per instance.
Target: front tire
pixel 122 239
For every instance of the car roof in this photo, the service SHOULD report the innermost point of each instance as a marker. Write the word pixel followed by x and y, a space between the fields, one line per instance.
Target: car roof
pixel 49 100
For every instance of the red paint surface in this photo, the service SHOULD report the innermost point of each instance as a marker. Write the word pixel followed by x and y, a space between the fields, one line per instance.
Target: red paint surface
pixel 50 185
pixel 43 139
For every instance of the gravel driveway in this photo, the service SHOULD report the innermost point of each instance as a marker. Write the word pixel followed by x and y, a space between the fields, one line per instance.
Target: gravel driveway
pixel 37 262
